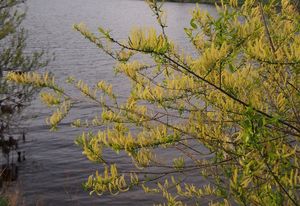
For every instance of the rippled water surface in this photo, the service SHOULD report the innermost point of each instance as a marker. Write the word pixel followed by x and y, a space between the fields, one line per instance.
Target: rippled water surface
pixel 55 168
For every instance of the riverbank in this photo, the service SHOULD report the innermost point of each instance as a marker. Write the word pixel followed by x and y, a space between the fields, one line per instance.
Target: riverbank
pixel 199 1
pixel 196 1
pixel 240 2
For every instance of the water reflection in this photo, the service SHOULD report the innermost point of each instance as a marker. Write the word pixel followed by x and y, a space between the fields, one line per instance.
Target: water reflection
pixel 59 166
pixel 11 152
pixel 12 101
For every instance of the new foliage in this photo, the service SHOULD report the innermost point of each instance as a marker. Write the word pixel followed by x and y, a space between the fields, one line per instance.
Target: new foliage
pixel 228 116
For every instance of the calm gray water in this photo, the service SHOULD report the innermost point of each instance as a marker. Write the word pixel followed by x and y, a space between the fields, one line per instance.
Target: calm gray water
pixel 55 168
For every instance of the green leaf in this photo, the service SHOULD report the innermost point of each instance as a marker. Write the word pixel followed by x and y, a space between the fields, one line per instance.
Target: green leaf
pixel 193 25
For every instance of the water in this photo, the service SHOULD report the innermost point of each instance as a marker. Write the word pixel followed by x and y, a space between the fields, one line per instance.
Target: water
pixel 55 168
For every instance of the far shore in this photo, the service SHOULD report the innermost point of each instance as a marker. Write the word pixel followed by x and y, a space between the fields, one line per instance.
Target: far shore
pixel 195 1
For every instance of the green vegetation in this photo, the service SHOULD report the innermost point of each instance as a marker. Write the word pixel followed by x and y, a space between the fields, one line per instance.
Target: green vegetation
pixel 3 201
pixel 196 1
pixel 240 2
pixel 13 58
pixel 201 1
pixel 228 117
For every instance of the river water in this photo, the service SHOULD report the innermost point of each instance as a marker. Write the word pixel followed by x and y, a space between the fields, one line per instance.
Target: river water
pixel 55 168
